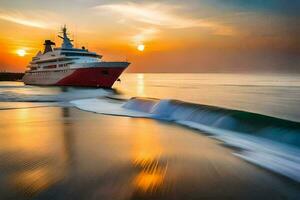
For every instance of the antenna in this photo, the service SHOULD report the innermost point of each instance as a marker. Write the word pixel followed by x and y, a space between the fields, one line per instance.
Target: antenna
pixel 54 36
pixel 67 42
pixel 76 35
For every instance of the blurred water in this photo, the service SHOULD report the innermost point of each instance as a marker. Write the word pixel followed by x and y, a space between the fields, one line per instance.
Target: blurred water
pixel 266 141
pixel 63 153
pixel 18 92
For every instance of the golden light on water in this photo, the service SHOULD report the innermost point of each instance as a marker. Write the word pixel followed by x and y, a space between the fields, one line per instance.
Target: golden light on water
pixel 147 159
pixel 141 47
pixel 140 85
pixel 150 180
pixel 36 180
pixel 21 52
pixel 40 170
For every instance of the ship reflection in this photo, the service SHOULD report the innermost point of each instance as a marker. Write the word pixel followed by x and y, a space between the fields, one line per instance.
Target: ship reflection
pixel 41 154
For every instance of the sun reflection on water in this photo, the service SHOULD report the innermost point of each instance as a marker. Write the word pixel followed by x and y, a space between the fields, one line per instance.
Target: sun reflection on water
pixel 147 160
pixel 140 85
pixel 152 174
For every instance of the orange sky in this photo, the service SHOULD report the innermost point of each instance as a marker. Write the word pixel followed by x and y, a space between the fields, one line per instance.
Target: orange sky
pixel 191 37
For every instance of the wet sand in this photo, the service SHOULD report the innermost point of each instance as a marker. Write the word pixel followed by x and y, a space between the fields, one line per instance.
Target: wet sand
pixel 65 153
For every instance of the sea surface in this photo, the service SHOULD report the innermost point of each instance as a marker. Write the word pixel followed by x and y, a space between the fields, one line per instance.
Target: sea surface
pixel 275 95
pixel 257 115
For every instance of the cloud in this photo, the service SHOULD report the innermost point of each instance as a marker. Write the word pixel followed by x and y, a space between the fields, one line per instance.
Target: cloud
pixel 163 15
pixel 144 35
pixel 37 19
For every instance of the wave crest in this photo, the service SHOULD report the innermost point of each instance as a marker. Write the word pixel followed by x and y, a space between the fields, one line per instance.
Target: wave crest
pixel 234 120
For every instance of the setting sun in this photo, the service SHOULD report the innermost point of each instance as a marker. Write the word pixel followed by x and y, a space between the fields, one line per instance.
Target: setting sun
pixel 21 52
pixel 141 47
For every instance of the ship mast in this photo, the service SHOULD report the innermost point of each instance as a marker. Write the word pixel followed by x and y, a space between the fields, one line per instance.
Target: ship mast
pixel 67 42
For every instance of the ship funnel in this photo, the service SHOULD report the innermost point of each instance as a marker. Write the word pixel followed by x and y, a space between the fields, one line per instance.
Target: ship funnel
pixel 48 44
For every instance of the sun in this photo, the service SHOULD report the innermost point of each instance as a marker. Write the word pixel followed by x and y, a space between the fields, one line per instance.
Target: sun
pixel 21 52
pixel 141 47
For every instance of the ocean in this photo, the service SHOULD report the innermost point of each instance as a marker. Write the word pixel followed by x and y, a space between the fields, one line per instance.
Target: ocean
pixel 275 95
pixel 256 114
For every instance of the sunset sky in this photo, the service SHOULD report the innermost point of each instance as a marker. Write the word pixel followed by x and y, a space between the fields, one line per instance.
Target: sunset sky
pixel 178 36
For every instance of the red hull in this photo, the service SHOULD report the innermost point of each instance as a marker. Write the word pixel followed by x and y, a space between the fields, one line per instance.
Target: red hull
pixel 92 77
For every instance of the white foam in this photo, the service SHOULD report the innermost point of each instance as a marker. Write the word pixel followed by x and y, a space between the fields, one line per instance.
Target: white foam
pixel 275 156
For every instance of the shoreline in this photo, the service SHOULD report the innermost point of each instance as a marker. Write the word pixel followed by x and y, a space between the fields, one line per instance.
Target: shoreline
pixel 11 76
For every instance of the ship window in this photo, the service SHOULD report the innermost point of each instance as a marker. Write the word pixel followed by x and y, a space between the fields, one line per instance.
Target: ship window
pixel 54 60
pixel 80 54
pixel 105 72
pixel 49 67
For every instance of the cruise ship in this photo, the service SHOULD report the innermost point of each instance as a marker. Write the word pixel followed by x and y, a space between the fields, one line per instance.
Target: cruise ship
pixel 69 66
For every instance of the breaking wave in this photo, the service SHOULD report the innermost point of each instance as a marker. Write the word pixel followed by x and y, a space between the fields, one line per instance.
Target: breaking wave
pixel 270 142
pixel 234 120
